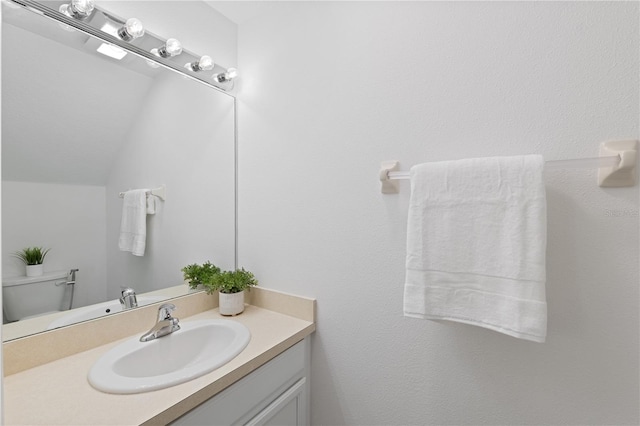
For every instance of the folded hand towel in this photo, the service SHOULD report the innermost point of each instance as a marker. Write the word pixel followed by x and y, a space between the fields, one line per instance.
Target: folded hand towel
pixel 151 204
pixel 476 241
pixel 133 226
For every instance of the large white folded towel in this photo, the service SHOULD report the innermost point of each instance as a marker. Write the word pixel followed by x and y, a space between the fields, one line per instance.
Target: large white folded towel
pixel 476 242
pixel 133 226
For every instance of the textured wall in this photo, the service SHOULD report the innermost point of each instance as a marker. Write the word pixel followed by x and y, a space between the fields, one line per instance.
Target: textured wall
pixel 330 89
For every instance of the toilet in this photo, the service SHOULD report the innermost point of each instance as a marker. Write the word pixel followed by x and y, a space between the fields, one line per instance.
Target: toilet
pixel 24 297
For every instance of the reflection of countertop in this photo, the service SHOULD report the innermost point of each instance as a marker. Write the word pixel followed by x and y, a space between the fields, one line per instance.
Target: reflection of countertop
pixel 59 393
pixel 41 323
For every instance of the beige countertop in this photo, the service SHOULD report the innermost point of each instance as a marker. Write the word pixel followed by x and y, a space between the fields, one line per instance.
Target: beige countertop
pixel 58 393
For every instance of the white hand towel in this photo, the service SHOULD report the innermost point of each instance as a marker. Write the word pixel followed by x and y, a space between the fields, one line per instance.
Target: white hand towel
pixel 476 242
pixel 133 226
pixel 151 204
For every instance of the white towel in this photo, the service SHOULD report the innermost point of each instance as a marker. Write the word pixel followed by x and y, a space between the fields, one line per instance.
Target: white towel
pixel 133 226
pixel 151 204
pixel 476 242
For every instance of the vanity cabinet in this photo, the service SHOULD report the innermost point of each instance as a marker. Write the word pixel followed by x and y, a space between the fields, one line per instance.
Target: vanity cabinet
pixel 276 393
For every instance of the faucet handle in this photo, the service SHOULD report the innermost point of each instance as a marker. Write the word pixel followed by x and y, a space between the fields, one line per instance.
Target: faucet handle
pixel 124 290
pixel 165 310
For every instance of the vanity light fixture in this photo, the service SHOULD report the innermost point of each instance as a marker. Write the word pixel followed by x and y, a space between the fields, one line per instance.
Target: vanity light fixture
pixel 115 34
pixel 205 63
pixel 131 29
pixel 172 47
pixel 78 9
pixel 224 77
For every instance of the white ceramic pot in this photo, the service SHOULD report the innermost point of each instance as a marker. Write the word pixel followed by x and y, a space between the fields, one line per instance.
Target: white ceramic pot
pixel 231 304
pixel 35 270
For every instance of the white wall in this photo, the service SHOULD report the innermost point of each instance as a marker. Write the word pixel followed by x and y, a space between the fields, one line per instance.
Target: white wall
pixel 329 90
pixel 71 221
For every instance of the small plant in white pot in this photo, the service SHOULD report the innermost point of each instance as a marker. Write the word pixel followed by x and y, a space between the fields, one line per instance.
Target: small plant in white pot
pixel 231 286
pixel 33 258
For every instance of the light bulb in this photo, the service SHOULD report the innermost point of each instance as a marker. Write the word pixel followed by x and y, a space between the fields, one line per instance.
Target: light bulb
pixel 205 63
pixel 171 48
pixel 83 6
pixel 232 73
pixel 78 9
pixel 224 77
pixel 131 29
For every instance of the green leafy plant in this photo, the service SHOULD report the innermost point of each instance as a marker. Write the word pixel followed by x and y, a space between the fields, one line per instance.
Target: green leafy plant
pixel 213 279
pixel 32 255
pixel 231 282
pixel 200 274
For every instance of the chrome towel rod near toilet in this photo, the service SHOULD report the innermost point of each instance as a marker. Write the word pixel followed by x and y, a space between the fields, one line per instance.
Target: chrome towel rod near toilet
pixel 160 192
pixel 616 166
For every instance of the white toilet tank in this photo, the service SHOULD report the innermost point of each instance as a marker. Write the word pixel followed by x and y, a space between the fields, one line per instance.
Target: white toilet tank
pixel 31 296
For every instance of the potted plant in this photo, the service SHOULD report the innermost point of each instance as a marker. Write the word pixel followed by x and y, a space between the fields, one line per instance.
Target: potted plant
pixel 33 258
pixel 231 286
pixel 197 275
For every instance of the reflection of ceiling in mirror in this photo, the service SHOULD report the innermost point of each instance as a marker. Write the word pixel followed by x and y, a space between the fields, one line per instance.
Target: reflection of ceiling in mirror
pixel 61 114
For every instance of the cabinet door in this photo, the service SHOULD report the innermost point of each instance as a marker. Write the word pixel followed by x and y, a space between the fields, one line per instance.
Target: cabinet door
pixel 286 410
pixel 280 380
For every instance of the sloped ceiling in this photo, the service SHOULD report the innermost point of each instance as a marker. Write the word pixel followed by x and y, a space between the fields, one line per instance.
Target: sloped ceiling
pixel 242 11
pixel 65 111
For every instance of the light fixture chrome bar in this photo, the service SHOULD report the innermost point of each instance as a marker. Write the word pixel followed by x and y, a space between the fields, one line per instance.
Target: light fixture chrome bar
pixel 84 27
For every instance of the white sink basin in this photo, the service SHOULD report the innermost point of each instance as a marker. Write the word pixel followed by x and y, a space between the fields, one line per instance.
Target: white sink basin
pixel 99 310
pixel 199 347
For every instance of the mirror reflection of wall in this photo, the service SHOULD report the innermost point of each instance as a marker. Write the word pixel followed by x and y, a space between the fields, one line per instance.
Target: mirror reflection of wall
pixel 176 140
pixel 82 128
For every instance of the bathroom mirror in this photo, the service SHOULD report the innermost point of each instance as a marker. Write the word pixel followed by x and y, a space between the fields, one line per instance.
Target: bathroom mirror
pixel 79 128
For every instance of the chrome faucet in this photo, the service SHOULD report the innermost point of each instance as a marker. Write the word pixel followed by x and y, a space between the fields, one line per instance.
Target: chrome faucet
pixel 128 298
pixel 166 323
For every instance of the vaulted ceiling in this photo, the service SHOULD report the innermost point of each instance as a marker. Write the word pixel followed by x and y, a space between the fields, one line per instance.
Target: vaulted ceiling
pixel 66 108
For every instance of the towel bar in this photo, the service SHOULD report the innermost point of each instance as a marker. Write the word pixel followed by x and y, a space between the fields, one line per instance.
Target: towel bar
pixel 616 166
pixel 160 192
